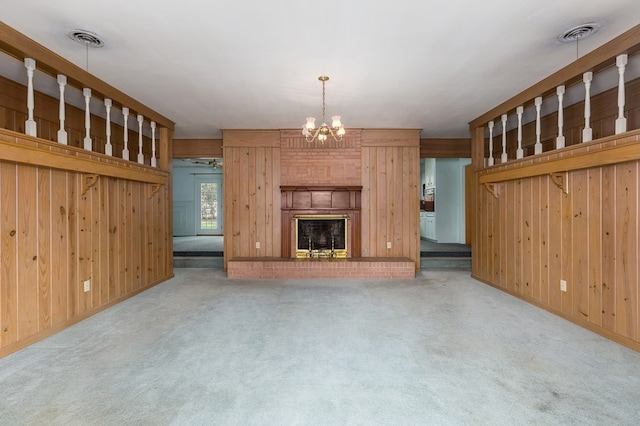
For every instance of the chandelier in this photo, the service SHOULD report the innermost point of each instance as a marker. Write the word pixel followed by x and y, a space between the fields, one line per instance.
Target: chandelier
pixel 336 130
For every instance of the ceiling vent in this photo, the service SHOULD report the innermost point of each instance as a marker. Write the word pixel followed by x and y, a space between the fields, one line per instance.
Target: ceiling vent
pixel 578 33
pixel 86 38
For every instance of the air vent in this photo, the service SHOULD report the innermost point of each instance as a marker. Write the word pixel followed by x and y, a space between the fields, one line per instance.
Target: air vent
pixel 578 33
pixel 86 38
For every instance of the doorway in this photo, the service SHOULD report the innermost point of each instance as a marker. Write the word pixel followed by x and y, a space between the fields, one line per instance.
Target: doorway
pixel 209 209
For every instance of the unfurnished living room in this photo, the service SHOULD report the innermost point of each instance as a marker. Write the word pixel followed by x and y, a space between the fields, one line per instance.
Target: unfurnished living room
pixel 300 213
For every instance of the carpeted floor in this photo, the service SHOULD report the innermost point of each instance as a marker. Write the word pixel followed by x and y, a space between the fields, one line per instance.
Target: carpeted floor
pixel 201 349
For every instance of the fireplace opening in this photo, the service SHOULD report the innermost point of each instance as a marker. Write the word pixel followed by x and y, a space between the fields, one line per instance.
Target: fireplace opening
pixel 322 236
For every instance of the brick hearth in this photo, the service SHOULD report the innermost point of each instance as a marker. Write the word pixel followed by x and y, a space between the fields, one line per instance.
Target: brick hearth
pixel 383 268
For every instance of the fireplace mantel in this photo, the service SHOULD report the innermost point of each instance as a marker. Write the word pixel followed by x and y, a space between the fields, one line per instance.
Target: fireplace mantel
pixel 310 200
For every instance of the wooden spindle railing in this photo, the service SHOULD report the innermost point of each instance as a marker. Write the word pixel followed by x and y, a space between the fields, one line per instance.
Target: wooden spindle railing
pixel 560 140
pixel 62 133
pixel 621 122
pixel 30 127
pixel 587 132
pixel 88 142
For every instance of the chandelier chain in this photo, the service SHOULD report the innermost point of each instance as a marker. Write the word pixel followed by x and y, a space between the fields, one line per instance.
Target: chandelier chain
pixel 323 104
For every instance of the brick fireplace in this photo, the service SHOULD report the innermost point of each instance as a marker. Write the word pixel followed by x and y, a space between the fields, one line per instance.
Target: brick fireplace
pixel 320 201
pixel 274 177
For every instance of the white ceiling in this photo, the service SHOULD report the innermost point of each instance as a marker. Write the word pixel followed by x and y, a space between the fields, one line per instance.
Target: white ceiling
pixel 253 64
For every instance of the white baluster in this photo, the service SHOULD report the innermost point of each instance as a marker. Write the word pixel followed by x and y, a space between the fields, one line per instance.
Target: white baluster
pixel 62 133
pixel 503 158
pixel 125 149
pixel 587 132
pixel 108 148
pixel 538 146
pixel 560 138
pixel 153 144
pixel 621 122
pixel 519 152
pixel 88 145
pixel 30 127
pixel 491 143
pixel 140 155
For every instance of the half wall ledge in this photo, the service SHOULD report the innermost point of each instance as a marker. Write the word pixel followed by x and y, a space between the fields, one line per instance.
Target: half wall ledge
pixel 354 268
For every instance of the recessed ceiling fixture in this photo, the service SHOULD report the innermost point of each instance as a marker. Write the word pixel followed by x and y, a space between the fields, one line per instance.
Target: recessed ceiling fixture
pixel 86 38
pixel 336 130
pixel 579 33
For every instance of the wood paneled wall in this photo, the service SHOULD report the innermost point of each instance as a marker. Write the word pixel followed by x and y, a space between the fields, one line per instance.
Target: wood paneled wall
pixel 197 148
pixel 390 194
pixel 56 232
pixel 534 234
pixel 251 194
pixel 389 165
pixel 445 148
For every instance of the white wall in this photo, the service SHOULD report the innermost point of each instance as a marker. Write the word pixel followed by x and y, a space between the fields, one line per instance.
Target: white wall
pixel 185 202
pixel 446 175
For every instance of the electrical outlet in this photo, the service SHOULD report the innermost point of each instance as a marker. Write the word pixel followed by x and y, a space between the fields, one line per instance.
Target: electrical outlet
pixel 257 244
pixel 388 244
pixel 87 285
pixel 563 285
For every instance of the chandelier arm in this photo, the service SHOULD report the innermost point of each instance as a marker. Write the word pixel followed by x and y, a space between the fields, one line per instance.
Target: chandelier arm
pixel 334 136
pixel 312 136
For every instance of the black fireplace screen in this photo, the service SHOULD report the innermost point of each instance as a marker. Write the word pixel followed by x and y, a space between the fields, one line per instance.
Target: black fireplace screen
pixel 321 234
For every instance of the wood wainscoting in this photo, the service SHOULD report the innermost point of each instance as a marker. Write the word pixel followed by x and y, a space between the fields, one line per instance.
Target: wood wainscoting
pixel 79 232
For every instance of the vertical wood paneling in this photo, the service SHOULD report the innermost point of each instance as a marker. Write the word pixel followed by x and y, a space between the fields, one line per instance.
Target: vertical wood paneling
pixel 59 247
pixel 252 207
pixel 527 236
pixel 369 171
pixel 274 222
pixel 518 224
pixel 96 229
pixel 545 253
pixel 566 271
pixel 627 250
pixel 580 242
pixel 494 240
pixel 396 216
pixel 594 225
pixel 555 244
pixel 252 202
pixel 381 206
pixel 588 237
pixel 44 248
pixel 136 246
pixel 243 203
pixel 8 251
pixel 124 230
pixel 114 242
pixel 260 196
pixel 536 240
pixel 502 223
pixel 511 247
pixel 84 245
pixel 390 197
pixel 102 258
pixel 27 252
